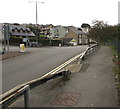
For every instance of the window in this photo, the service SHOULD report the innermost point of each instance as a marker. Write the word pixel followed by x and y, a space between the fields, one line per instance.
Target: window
pixel 80 36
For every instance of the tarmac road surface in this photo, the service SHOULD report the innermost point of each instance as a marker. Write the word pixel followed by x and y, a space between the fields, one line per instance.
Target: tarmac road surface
pixel 38 62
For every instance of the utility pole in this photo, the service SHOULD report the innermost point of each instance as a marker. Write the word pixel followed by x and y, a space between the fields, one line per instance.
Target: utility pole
pixel 36 8
pixel 36 12
pixel 3 40
pixel 36 16
pixel 6 37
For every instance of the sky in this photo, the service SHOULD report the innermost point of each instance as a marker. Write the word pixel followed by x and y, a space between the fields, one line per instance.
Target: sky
pixel 59 12
pixel 119 12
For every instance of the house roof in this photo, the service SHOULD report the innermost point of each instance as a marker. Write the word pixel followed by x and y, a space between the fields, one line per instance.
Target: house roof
pixel 22 34
pixel 17 30
pixel 73 32
pixel 78 30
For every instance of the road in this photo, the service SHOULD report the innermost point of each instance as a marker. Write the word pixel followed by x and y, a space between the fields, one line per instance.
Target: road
pixel 38 62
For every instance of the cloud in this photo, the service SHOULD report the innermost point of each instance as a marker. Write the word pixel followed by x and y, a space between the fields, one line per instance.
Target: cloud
pixel 119 12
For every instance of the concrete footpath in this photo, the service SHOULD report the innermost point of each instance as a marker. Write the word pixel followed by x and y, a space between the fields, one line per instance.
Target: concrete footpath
pixel 11 54
pixel 92 86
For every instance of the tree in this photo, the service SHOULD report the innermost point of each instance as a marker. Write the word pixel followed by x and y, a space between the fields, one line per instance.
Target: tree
pixel 99 24
pixel 102 32
pixel 119 32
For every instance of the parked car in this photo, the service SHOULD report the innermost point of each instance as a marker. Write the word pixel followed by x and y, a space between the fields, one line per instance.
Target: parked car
pixel 68 44
pixel 33 44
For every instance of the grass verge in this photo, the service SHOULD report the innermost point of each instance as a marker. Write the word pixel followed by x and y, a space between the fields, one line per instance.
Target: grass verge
pixel 116 69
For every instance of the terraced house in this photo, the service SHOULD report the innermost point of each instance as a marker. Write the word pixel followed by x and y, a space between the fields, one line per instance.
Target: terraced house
pixel 78 35
pixel 57 32
pixel 20 34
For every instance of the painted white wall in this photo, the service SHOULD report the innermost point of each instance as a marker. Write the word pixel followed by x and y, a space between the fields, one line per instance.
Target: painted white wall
pixel 86 30
pixel 59 32
pixel 83 39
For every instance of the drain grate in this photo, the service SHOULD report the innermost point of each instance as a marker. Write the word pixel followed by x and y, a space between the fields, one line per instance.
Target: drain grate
pixel 84 67
pixel 66 99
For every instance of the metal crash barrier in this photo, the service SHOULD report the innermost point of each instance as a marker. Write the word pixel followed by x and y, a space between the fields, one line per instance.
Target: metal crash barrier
pixel 23 90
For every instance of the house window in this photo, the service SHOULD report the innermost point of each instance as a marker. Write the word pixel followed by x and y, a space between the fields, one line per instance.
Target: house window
pixel 18 30
pixel 13 30
pixel 23 31
pixel 80 36
pixel 79 29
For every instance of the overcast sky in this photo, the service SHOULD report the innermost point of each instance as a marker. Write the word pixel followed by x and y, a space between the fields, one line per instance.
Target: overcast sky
pixel 119 12
pixel 59 12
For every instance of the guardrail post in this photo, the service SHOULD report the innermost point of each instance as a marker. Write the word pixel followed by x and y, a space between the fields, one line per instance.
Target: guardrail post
pixel 66 75
pixel 93 48
pixel 97 46
pixel 26 97
pixel 80 61
pixel 89 52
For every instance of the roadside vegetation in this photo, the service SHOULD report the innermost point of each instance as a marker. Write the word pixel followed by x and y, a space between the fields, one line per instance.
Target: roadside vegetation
pixel 116 70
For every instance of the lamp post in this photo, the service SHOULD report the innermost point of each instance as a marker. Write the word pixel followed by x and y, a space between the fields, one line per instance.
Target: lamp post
pixel 6 31
pixel 36 2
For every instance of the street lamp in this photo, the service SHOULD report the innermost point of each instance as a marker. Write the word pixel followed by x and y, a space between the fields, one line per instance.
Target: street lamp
pixel 36 7
pixel 36 13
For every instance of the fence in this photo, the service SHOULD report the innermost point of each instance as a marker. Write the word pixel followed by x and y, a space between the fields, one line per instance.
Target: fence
pixel 44 42
pixel 11 96
pixel 116 44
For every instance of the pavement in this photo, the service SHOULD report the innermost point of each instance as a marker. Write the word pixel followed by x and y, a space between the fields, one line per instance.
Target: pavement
pixel 11 54
pixel 92 86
